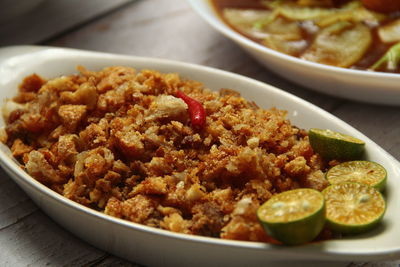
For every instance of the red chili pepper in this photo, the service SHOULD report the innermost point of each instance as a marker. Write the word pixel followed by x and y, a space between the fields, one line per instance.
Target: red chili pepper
pixel 196 110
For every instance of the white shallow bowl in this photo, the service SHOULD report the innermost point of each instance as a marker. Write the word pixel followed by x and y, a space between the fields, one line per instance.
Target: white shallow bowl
pixel 364 86
pixel 155 247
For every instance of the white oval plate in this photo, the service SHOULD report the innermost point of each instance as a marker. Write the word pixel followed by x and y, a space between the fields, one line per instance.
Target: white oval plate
pixel 152 246
pixel 365 86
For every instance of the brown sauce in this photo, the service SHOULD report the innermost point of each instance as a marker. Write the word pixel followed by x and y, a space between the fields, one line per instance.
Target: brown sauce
pixel 375 51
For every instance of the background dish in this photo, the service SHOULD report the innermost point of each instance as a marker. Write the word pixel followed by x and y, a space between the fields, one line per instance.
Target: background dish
pixel 141 243
pixel 365 86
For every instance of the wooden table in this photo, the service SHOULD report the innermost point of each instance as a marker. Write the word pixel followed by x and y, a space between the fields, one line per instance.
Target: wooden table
pixel 165 29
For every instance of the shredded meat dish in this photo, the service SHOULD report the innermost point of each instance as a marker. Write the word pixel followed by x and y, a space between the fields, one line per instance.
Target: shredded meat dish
pixel 119 141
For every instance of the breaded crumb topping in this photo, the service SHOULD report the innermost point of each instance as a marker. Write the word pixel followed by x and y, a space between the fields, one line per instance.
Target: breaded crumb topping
pixel 120 142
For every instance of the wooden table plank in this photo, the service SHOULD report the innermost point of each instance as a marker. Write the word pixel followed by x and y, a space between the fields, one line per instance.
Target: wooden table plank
pixel 38 241
pixel 15 204
pixel 51 18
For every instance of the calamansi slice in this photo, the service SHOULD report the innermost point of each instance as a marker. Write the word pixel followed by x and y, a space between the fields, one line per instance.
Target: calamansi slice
pixel 334 145
pixel 353 208
pixel 360 171
pixel 293 217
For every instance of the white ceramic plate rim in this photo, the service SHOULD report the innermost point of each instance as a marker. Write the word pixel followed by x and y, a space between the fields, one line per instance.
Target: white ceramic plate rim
pixel 323 250
pixel 213 19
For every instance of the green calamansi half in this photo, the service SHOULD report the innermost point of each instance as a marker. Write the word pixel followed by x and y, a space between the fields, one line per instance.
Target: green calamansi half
pixel 353 208
pixel 293 217
pixel 360 171
pixel 333 145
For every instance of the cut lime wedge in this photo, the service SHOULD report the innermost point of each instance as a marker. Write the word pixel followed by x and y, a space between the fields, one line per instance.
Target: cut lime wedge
pixel 361 171
pixel 293 217
pixel 353 208
pixel 334 145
